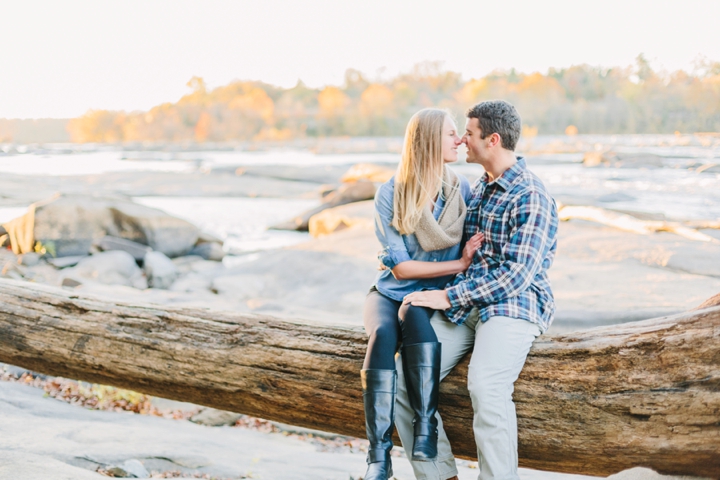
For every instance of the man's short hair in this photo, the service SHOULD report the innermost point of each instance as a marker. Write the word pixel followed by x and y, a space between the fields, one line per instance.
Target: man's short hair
pixel 498 116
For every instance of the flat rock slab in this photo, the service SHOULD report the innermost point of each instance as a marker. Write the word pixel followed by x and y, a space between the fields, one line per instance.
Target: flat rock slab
pixel 52 440
pixel 602 275
pixel 48 439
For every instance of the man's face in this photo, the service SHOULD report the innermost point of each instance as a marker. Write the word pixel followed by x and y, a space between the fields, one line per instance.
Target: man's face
pixel 476 146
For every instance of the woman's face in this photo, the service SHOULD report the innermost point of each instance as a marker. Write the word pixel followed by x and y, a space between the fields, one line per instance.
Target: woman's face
pixel 450 141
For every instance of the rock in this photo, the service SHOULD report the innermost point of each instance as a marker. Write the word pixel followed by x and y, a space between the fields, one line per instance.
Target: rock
pixel 339 218
pixel 155 228
pixel 368 171
pixel 22 465
pixel 29 259
pixel 347 193
pixel 137 250
pixel 135 468
pixel 706 168
pixel 70 282
pixel 64 262
pixel 205 237
pixel 186 261
pixel 70 224
pixel 161 272
pixel 351 192
pixel 209 251
pixel 642 473
pixel 109 268
pixel 118 472
pixel 72 433
pixel 215 418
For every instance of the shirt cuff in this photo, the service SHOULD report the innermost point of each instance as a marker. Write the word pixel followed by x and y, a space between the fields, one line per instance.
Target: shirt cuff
pixel 455 296
pixel 391 257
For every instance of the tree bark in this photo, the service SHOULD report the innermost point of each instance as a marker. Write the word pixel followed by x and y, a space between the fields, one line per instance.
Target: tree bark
pixel 594 402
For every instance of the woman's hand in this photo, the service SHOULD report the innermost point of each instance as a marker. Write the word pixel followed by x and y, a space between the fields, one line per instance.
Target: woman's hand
pixel 471 246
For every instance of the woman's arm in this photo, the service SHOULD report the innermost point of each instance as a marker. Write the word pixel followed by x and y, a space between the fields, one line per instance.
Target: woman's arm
pixel 414 269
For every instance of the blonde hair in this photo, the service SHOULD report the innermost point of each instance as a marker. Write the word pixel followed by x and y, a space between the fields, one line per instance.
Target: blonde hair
pixel 419 175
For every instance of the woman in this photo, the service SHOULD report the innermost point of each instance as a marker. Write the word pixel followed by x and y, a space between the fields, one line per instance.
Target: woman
pixel 419 217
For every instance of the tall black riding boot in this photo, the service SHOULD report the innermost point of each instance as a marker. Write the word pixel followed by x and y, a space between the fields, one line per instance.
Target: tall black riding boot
pixel 379 389
pixel 421 364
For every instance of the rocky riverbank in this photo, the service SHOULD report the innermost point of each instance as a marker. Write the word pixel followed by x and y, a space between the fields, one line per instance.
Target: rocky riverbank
pixel 602 275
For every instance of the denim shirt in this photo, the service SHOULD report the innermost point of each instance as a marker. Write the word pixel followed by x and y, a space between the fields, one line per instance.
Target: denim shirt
pixel 399 248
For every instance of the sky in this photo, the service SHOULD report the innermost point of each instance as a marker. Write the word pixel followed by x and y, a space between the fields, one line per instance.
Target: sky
pixel 60 59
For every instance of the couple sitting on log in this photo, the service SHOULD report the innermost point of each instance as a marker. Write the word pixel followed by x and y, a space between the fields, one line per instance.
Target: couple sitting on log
pixel 464 269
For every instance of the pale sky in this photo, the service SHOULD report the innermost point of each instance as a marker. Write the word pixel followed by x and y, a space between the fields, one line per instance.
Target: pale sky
pixel 61 58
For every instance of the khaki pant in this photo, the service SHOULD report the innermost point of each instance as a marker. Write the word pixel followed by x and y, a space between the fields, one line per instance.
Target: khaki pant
pixel 500 347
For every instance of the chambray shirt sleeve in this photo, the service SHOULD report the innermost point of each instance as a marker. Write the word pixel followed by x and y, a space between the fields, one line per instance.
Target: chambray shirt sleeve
pixel 533 221
pixel 394 250
pixel 465 189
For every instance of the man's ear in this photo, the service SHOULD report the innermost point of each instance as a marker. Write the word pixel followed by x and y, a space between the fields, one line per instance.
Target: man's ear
pixel 495 140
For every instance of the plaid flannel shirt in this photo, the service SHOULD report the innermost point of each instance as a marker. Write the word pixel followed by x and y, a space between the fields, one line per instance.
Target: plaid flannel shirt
pixel 508 276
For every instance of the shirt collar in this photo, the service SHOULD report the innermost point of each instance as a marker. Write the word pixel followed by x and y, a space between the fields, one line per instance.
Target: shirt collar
pixel 508 177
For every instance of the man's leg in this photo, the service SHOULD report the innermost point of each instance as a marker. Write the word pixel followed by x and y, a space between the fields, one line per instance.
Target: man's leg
pixel 501 347
pixel 456 341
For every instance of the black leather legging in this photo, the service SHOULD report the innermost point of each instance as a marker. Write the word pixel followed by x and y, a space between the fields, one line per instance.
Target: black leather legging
pixel 385 330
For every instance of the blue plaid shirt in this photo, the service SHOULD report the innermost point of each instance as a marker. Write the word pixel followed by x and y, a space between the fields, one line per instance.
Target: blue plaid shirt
pixel 508 276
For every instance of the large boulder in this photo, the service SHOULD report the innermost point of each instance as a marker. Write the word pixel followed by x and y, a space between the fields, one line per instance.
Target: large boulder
pixel 162 232
pixel 108 268
pixel 69 225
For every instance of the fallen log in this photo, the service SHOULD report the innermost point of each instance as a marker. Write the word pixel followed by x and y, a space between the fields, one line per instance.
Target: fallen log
pixel 595 402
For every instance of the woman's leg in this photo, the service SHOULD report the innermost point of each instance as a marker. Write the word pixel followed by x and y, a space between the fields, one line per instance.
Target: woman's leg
pixel 456 341
pixel 421 363
pixel 381 325
pixel 415 325
pixel 379 382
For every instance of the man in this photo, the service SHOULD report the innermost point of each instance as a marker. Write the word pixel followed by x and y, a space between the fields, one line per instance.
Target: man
pixel 503 301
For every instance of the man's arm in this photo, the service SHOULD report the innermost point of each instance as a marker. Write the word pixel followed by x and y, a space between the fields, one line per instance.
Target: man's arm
pixel 533 227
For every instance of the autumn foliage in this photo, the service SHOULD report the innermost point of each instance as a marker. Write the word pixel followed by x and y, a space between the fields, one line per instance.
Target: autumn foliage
pixel 579 99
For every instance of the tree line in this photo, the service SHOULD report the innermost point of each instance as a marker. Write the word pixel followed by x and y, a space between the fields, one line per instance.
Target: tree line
pixel 578 99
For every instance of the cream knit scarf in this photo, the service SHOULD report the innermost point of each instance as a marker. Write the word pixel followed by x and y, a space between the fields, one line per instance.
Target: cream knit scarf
pixel 447 230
